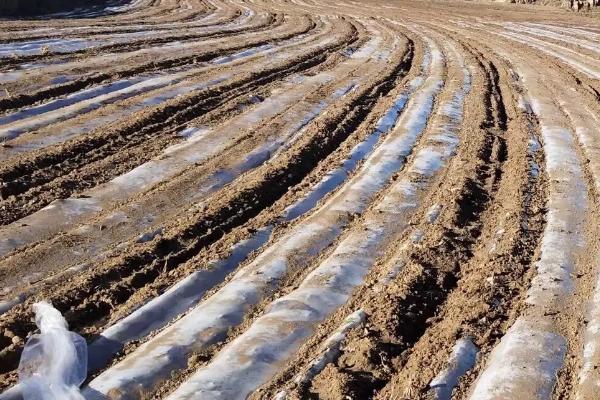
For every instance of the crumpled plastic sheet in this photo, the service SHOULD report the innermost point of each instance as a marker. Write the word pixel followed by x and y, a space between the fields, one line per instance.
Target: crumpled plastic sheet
pixel 54 362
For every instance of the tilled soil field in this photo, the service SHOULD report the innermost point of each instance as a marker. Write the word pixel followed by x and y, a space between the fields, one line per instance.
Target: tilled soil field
pixel 306 199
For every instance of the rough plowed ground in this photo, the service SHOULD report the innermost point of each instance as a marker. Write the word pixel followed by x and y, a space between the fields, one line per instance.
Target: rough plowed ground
pixel 306 199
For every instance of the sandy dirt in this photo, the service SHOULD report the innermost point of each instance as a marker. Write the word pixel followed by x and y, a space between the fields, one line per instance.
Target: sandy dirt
pixel 306 199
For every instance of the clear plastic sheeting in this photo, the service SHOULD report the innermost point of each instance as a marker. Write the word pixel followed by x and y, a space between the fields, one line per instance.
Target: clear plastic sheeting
pixel 54 362
pixel 462 359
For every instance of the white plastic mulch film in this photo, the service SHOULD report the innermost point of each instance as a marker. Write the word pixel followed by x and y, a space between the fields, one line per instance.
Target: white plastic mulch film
pixel 54 362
